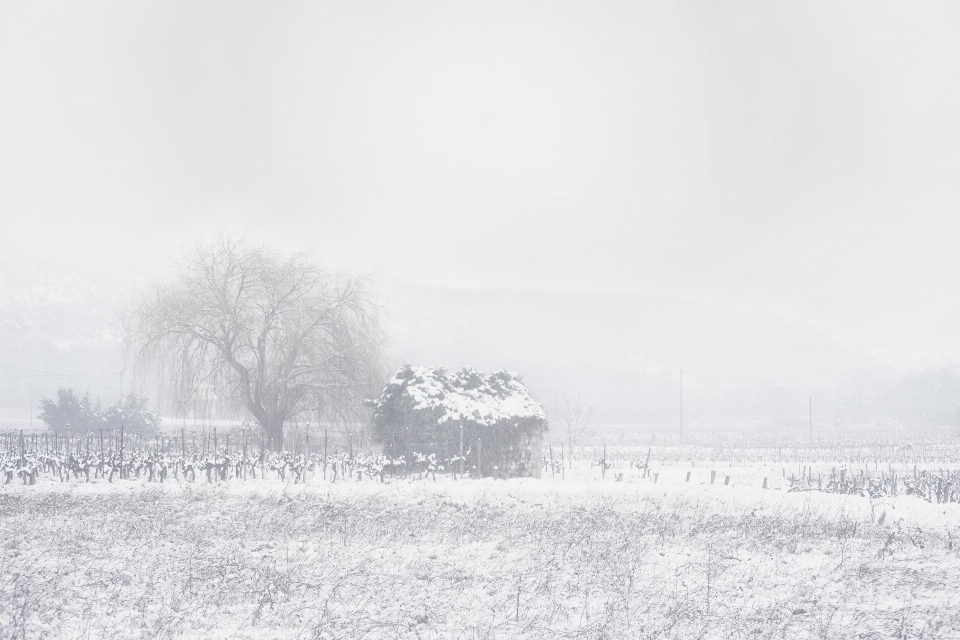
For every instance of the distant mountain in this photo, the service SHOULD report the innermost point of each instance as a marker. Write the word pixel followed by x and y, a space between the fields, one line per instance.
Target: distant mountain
pixel 626 350
pixel 939 350
pixel 59 331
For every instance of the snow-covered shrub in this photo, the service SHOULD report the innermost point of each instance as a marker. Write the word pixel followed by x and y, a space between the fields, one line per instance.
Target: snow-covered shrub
pixel 70 411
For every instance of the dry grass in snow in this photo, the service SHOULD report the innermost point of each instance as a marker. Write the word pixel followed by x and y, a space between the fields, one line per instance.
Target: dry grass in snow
pixel 517 559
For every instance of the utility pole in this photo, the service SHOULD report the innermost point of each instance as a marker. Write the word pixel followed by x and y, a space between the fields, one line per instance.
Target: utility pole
pixel 121 451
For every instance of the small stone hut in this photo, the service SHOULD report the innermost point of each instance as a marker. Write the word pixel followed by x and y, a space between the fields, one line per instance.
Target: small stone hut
pixel 428 410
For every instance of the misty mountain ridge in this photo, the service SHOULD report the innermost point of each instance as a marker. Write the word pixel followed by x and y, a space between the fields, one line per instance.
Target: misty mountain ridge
pixel 625 350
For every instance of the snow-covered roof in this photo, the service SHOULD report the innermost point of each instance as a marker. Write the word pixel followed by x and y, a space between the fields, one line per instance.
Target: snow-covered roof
pixel 464 395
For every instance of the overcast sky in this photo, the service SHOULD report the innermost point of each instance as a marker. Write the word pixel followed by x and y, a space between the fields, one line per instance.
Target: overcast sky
pixel 776 157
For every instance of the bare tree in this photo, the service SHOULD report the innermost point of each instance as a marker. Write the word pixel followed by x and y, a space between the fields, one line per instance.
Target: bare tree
pixel 573 416
pixel 277 335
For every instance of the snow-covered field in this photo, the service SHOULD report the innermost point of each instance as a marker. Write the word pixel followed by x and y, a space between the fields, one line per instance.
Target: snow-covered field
pixel 472 559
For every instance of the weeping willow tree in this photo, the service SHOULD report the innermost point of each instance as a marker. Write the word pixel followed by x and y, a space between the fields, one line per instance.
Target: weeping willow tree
pixel 275 335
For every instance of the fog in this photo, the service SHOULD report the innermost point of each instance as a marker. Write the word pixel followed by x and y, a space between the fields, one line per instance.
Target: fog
pixel 597 195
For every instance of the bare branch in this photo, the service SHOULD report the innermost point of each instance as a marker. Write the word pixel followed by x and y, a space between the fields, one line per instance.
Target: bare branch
pixel 278 336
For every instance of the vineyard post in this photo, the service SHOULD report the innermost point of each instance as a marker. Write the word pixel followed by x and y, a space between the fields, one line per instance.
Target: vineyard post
pixel 326 442
pixel 22 461
pixel 101 452
pixel 603 472
pixel 228 444
pixel 646 465
pixel 563 466
pixel 553 470
pixel 479 473
pixel 461 451
pixel 215 470
pixel 46 447
pixel 244 453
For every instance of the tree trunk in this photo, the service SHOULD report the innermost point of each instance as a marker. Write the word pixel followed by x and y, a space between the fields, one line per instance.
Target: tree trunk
pixel 273 428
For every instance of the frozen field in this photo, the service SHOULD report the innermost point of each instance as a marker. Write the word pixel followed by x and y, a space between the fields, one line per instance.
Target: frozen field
pixel 473 559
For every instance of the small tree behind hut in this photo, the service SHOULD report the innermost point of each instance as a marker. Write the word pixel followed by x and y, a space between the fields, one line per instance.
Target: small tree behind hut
pixel 278 335
pixel 422 409
pixel 574 416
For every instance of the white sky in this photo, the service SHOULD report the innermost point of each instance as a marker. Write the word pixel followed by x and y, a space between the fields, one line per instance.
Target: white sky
pixel 793 158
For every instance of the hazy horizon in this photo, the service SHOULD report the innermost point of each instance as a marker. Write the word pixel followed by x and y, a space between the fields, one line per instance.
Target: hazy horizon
pixel 757 162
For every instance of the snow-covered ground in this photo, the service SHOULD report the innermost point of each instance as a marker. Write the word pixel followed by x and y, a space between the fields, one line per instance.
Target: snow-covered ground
pixel 472 559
